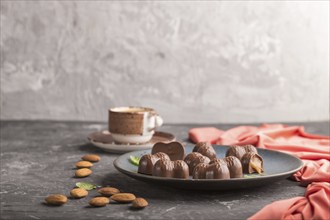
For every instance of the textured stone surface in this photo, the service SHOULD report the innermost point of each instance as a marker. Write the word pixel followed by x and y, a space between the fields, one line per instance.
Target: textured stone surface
pixel 225 61
pixel 37 159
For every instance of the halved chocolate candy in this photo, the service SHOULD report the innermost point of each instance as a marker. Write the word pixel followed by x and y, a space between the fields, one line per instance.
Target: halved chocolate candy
pixel 174 150
pixel 239 151
pixel 200 171
pixel 193 159
pixel 180 170
pixel 163 168
pixel 148 161
pixel 217 170
pixel 205 149
pixel 252 162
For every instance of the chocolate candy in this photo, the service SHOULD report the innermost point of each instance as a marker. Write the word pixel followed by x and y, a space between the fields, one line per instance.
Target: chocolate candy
pixel 234 165
pixel 252 162
pixel 174 150
pixel 163 168
pixel 148 161
pixel 205 149
pixel 181 169
pixel 171 169
pixel 216 170
pixel 193 159
pixel 200 171
pixel 239 151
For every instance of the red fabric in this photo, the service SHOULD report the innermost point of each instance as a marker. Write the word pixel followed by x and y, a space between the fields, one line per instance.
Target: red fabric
pixel 314 150
pixel 313 171
pixel 315 205
pixel 209 134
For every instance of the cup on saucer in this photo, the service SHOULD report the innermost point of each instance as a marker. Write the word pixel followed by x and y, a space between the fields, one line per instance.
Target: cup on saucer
pixel 133 125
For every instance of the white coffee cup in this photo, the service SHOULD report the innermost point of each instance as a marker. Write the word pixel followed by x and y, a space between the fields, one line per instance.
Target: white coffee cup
pixel 133 125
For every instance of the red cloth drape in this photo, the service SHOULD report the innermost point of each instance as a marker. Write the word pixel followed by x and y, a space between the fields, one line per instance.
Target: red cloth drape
pixel 314 150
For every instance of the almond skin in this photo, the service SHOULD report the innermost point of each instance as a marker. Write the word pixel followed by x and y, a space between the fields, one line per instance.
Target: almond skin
pixel 91 157
pixel 123 197
pixel 108 191
pixel 56 199
pixel 84 164
pixel 99 201
pixel 83 172
pixel 139 203
pixel 78 193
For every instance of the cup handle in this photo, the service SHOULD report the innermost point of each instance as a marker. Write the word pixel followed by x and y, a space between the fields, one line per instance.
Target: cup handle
pixel 157 122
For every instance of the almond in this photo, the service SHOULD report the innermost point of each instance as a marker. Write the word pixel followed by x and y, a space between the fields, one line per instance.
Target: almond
pixel 84 164
pixel 108 191
pixel 139 203
pixel 78 193
pixel 56 199
pixel 91 157
pixel 123 197
pixel 99 201
pixel 83 172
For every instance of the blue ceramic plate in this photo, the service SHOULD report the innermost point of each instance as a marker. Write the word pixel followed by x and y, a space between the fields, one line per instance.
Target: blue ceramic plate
pixel 277 166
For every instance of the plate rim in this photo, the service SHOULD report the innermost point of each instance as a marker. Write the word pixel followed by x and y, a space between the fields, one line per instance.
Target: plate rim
pixel 115 163
pixel 125 148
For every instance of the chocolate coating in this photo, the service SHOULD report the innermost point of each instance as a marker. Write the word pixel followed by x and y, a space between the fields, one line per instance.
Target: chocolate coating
pixel 180 170
pixel 250 148
pixel 148 161
pixel 235 167
pixel 162 156
pixel 174 150
pixel 146 164
pixel 163 168
pixel 205 149
pixel 239 151
pixel 217 170
pixel 171 169
pixel 200 171
pixel 193 159
pixel 252 162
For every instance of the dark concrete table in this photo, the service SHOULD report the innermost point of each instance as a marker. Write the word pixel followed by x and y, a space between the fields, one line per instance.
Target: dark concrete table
pixel 37 159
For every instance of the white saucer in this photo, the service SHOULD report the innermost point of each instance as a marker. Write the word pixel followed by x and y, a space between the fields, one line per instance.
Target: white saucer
pixel 104 140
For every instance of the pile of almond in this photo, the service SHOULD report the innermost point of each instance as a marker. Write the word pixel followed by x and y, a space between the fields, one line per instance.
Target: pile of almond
pixel 85 164
pixel 107 193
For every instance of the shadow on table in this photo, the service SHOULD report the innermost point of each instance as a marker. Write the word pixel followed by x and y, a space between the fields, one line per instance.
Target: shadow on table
pixel 160 192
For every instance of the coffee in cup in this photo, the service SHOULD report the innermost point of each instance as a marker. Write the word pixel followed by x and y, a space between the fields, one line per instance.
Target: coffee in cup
pixel 133 125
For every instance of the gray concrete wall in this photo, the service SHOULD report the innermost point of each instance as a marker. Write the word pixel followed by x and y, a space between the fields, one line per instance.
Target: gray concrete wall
pixel 192 61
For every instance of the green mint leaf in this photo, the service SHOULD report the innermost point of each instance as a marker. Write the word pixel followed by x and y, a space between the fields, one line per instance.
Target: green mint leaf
pixel 87 186
pixel 134 160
